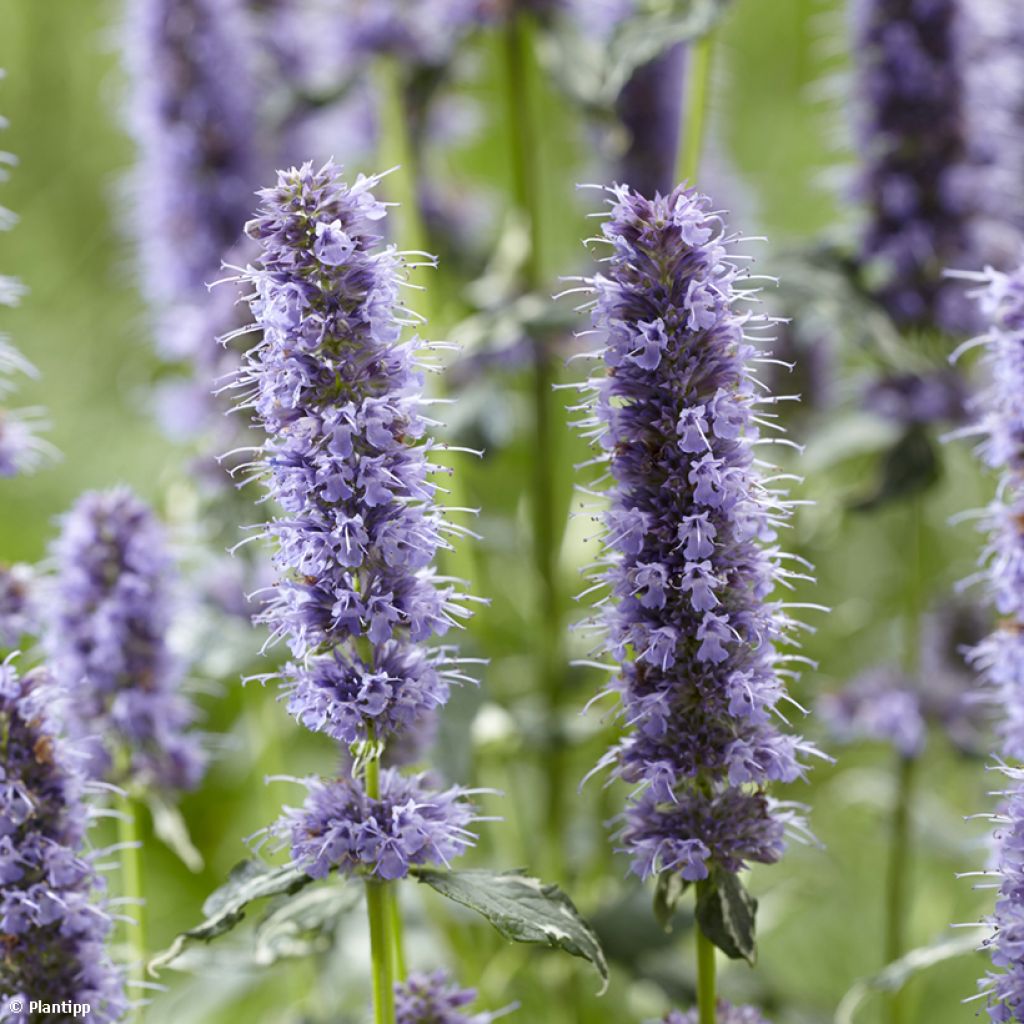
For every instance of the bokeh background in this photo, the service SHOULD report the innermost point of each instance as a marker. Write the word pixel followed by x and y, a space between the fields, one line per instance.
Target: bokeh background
pixel 774 154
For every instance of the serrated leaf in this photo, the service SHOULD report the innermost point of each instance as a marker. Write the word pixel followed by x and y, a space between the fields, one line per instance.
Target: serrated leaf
pixel 304 923
pixel 248 881
pixel 726 914
pixel 170 828
pixel 522 909
pixel 667 894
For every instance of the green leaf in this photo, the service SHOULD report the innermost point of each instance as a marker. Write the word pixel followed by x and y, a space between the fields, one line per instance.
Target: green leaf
pixel 895 975
pixel 170 828
pixel 667 894
pixel 522 909
pixel 249 881
pixel 726 913
pixel 303 923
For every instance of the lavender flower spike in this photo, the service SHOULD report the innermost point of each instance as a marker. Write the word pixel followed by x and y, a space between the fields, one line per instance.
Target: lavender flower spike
pixel 21 447
pixel 107 638
pixel 1000 657
pixel 338 394
pixel 690 553
pixel 52 915
pixel 192 118
pixel 912 138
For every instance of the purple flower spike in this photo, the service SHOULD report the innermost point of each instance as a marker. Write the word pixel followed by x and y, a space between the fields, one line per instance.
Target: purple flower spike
pixel 192 118
pixel 111 610
pixel 1000 657
pixel 435 999
pixel 725 1013
pixel 337 390
pixel 53 918
pixel 940 101
pixel 690 556
pixel 21 448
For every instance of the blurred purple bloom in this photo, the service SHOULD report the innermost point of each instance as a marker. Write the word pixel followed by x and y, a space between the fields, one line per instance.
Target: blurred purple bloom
pixel 19 605
pixel 911 137
pixel 725 1013
pixel 21 447
pixel 650 109
pixel 53 917
pixel 935 396
pixel 339 826
pixel 879 705
pixel 109 615
pixel 691 558
pixel 338 393
pixel 192 117
pixel 419 31
pixel 435 999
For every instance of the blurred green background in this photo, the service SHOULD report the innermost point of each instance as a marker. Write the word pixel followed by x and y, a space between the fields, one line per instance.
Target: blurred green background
pixel 84 326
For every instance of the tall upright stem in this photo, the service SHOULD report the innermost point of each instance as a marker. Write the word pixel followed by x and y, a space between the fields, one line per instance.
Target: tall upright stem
pixel 131 887
pixel 381 935
pixel 698 87
pixel 901 833
pixel 705 974
pixel 525 146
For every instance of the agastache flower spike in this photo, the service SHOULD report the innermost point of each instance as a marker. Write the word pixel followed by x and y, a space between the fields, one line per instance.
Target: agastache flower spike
pixel 111 609
pixel 21 448
pixel 911 134
pixel 1000 657
pixel 690 552
pixel 338 393
pixel 53 918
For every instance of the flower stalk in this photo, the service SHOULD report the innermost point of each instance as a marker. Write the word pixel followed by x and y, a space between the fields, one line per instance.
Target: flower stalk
pixel 550 658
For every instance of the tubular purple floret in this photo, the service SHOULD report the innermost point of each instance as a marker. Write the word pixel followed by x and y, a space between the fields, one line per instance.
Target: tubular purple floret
pixel 690 544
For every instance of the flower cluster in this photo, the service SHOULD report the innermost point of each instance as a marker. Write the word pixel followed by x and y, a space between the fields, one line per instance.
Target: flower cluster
pixel 1000 657
pixel 52 917
pixel 338 393
pixel 913 148
pixel 1005 986
pixel 194 119
pixel 21 448
pixel 107 636
pixel 410 824
pixel 725 1013
pixel 19 605
pixel 896 707
pixel 691 558
pixel 435 999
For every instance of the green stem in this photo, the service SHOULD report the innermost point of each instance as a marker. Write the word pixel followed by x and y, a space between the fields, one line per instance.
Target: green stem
pixel 705 975
pixel 901 833
pixel 396 150
pixel 526 147
pixel 698 86
pixel 377 900
pixel 397 934
pixel 131 887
